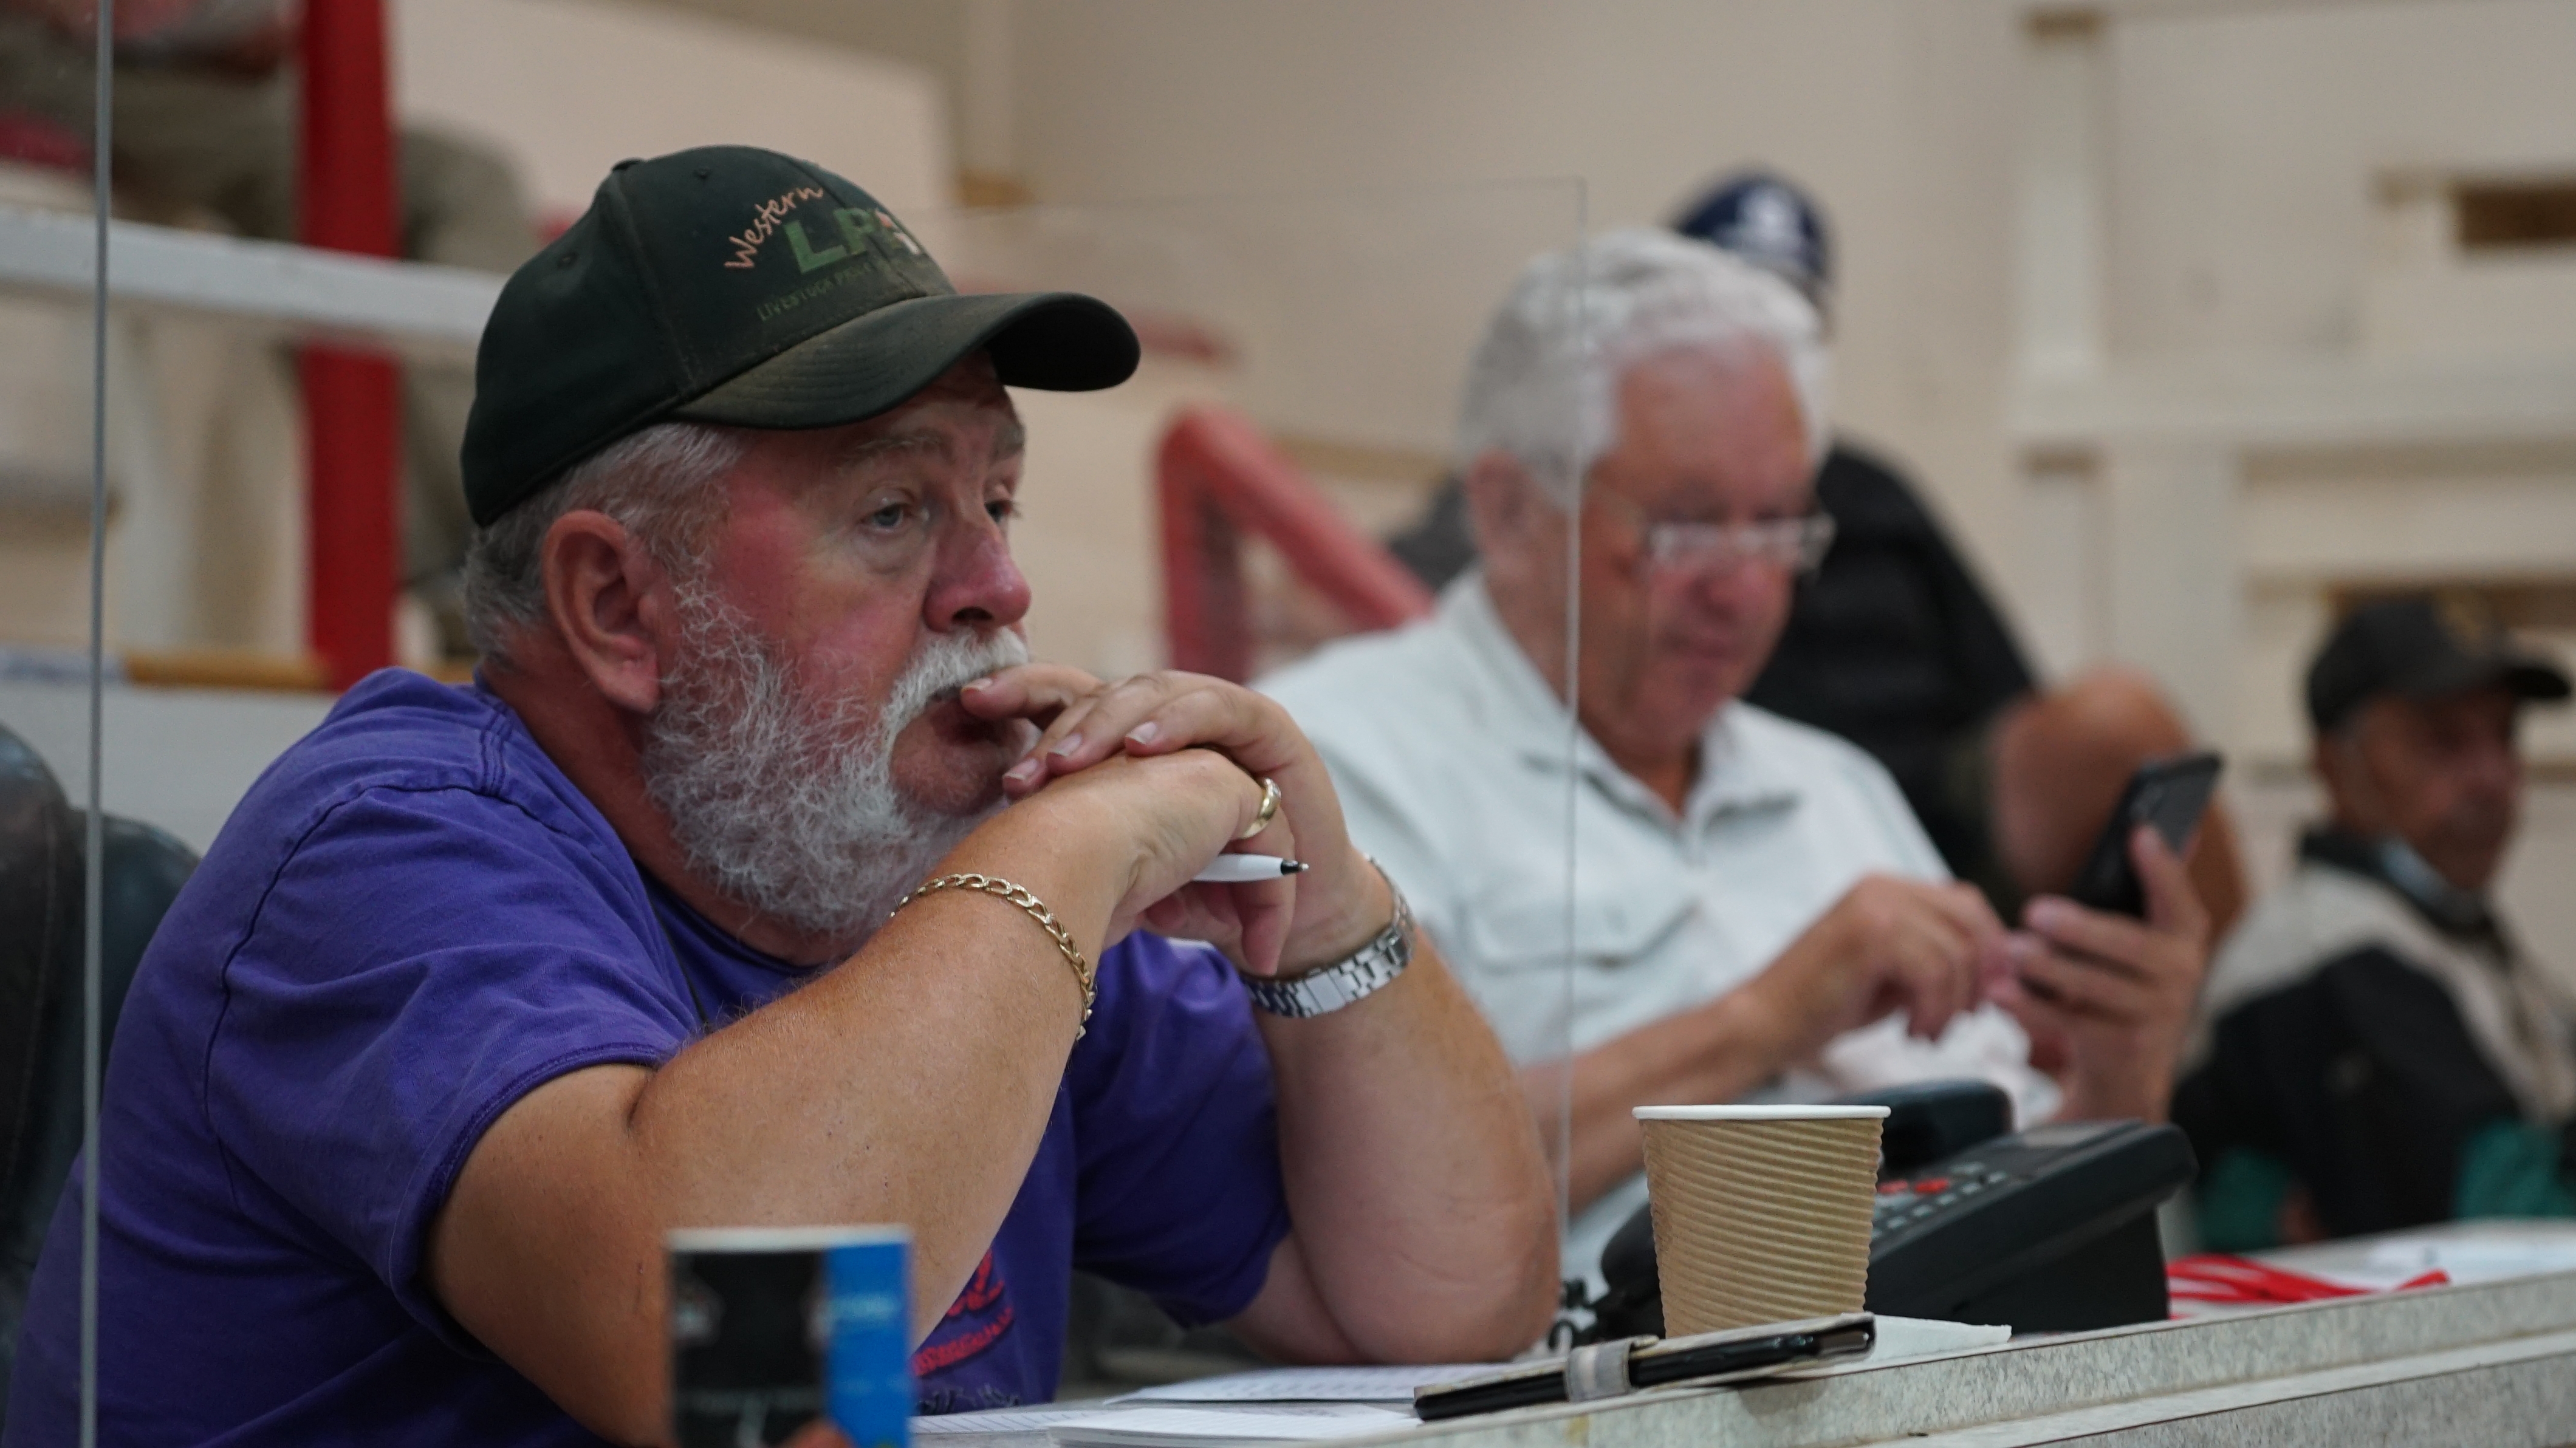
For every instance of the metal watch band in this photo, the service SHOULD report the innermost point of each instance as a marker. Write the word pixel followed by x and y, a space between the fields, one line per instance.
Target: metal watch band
pixel 1353 977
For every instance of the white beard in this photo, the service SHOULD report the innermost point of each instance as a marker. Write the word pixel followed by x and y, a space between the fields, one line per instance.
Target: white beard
pixel 767 795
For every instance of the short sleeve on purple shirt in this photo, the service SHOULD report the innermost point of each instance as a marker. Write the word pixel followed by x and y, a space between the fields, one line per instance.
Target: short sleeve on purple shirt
pixel 371 1023
pixel 413 920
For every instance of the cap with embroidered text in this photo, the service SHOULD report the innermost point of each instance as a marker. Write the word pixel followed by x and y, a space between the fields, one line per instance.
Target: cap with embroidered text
pixel 738 286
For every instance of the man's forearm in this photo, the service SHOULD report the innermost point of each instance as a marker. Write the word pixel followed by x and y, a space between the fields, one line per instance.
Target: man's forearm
pixel 768 1121
pixel 2096 1094
pixel 1422 1203
pixel 549 1248
pixel 1714 1053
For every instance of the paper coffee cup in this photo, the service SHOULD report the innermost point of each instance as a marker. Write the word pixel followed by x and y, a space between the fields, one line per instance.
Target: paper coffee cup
pixel 1762 1213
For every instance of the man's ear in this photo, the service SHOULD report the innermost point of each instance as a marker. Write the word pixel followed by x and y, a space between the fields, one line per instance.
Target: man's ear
pixel 1520 531
pixel 601 594
pixel 1503 502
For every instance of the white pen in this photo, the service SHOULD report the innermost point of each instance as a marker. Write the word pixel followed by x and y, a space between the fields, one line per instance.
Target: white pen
pixel 1245 869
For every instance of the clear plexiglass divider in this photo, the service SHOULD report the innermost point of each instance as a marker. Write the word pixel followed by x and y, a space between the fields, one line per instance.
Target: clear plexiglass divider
pixel 1277 497
pixel 1230 509
pixel 56 498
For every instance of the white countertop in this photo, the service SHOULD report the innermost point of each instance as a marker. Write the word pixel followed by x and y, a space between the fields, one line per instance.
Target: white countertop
pixel 2488 1363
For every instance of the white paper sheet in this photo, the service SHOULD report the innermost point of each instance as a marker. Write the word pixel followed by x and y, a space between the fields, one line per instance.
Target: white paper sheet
pixel 1176 1427
pixel 1912 1337
pixel 2470 1260
pixel 1279 1405
pixel 1002 1420
pixel 1313 1385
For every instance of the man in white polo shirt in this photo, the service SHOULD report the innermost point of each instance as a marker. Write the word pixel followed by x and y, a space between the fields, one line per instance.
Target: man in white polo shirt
pixel 1755 911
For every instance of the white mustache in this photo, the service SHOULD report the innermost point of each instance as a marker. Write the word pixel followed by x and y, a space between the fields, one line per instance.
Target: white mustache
pixel 943 667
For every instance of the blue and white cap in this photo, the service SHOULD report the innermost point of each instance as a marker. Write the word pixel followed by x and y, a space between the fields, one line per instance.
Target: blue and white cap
pixel 1769 222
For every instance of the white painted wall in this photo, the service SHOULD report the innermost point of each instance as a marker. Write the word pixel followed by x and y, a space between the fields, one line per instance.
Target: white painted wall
pixel 2244 148
pixel 2247 149
pixel 176 758
pixel 568 88
pixel 1897 113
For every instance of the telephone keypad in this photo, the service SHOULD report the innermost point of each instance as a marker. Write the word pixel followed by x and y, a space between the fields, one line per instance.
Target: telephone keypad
pixel 1902 1203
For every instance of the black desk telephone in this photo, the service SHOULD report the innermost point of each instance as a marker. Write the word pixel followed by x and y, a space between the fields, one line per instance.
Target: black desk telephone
pixel 2048 1230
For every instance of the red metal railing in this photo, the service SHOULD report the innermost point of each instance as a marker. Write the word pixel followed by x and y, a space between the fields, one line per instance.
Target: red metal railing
pixel 1220 478
pixel 352 402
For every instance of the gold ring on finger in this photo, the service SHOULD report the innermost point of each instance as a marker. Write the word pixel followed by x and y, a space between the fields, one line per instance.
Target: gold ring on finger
pixel 1269 810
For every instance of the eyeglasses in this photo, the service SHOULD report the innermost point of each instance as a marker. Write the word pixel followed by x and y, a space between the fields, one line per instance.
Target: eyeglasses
pixel 1797 544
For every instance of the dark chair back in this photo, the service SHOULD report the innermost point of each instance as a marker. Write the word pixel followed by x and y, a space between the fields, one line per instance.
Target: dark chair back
pixel 41 842
pixel 40 892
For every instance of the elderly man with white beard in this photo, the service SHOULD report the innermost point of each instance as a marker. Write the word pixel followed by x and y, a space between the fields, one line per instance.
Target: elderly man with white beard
pixel 703 906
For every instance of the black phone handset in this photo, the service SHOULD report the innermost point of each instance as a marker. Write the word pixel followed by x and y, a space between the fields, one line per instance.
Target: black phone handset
pixel 2170 794
pixel 2047 1230
pixel 1930 1120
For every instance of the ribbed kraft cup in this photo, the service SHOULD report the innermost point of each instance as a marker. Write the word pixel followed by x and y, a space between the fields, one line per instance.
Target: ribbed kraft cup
pixel 1760 1220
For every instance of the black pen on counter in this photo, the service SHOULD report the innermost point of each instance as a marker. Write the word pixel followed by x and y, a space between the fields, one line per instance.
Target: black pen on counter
pixel 1246 869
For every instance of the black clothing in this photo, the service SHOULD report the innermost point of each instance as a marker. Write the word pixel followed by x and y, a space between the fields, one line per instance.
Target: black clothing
pixel 2362 1079
pixel 1441 544
pixel 1893 645
pixel 2359 1076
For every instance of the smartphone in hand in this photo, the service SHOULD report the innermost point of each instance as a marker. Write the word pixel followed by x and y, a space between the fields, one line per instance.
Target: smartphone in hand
pixel 2171 794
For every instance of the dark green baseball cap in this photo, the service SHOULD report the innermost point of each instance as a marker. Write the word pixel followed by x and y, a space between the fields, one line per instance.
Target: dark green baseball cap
pixel 734 285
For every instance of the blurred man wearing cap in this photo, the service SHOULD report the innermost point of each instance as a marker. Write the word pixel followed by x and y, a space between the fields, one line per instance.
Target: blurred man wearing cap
pixel 701 907
pixel 1755 911
pixel 2376 1049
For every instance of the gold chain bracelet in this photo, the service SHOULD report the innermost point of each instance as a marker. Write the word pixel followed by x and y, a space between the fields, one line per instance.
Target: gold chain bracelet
pixel 1003 889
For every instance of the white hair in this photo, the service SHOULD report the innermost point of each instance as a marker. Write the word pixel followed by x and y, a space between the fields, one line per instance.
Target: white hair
pixel 660 483
pixel 1543 384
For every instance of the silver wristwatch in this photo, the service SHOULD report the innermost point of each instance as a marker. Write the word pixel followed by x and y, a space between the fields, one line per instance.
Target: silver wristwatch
pixel 1354 976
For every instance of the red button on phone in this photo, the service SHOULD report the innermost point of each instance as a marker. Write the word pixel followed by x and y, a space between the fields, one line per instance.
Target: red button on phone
pixel 1929 1185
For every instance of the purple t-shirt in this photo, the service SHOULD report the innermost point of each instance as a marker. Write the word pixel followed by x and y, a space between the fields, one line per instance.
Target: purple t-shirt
pixel 414 919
